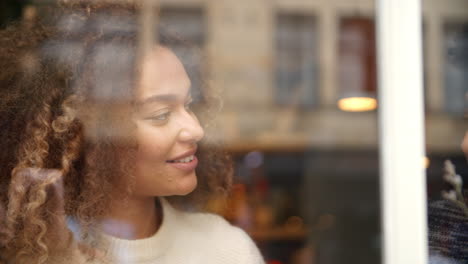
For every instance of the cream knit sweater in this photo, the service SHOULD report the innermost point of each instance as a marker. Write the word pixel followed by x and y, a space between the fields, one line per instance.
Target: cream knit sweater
pixel 186 238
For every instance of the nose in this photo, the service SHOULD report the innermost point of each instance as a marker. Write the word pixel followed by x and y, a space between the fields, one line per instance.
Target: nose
pixel 191 130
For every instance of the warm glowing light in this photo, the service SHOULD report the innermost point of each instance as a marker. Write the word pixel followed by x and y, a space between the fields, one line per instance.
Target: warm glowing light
pixel 357 104
pixel 427 162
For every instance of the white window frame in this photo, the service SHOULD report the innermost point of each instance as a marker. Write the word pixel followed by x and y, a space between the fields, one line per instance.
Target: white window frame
pixel 403 184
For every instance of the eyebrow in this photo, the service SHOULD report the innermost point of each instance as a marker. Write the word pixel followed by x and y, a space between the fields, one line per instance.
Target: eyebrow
pixel 164 98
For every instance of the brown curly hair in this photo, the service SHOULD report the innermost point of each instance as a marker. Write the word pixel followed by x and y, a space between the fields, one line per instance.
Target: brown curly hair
pixel 56 129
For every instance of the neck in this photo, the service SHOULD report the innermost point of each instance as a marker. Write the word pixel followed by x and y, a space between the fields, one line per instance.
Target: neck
pixel 136 218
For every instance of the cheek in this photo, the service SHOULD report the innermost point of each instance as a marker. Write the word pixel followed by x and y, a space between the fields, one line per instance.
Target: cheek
pixel 153 143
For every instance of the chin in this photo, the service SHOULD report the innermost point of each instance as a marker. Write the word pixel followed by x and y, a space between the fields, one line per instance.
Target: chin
pixel 187 185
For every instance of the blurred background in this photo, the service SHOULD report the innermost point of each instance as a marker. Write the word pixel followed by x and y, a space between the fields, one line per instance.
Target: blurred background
pixel 298 81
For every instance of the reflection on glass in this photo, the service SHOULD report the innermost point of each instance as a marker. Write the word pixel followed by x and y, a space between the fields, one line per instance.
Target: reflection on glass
pixel 446 61
pixel 104 158
pixel 296 60
pixel 357 104
pixel 187 24
pixel 448 213
pixel 357 68
pixel 305 183
pixel 456 68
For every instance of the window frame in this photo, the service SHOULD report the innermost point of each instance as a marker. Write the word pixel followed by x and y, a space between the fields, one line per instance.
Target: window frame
pixel 401 124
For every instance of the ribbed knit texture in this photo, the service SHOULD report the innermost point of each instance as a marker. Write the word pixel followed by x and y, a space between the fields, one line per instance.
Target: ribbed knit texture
pixel 186 238
pixel 448 231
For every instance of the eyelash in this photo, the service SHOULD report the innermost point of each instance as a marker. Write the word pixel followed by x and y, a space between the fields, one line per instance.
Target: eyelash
pixel 161 117
pixel 165 116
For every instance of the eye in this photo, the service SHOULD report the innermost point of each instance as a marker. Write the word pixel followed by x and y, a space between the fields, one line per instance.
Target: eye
pixel 160 117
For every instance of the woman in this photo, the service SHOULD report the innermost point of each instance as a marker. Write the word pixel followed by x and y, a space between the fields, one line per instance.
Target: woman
pixel 102 156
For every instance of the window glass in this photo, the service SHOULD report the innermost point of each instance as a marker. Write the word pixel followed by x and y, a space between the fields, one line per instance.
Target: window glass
pixel 131 120
pixel 230 130
pixel 357 73
pixel 445 63
pixel 296 60
pixel 188 25
pixel 455 42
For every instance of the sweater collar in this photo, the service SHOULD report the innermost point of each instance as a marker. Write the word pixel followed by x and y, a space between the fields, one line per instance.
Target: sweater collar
pixel 151 248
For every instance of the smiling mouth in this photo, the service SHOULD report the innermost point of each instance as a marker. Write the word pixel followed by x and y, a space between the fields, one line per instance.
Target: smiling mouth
pixel 184 160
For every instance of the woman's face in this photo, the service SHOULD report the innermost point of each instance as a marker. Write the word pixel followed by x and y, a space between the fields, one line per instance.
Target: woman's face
pixel 167 130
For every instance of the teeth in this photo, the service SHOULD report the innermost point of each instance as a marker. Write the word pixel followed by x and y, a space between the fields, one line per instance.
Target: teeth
pixel 185 160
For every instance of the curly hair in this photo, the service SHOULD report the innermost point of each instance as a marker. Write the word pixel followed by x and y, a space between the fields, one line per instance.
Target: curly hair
pixel 55 129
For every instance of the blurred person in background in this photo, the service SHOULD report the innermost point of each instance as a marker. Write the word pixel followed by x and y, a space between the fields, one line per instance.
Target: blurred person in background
pixel 448 219
pixel 103 159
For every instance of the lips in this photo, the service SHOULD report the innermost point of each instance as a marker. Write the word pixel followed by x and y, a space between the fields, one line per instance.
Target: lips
pixel 183 160
pixel 186 161
pixel 183 156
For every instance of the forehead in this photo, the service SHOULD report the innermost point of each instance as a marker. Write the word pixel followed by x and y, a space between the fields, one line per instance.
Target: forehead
pixel 162 73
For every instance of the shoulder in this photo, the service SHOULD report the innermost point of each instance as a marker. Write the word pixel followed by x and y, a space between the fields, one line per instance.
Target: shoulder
pixel 218 239
pixel 229 243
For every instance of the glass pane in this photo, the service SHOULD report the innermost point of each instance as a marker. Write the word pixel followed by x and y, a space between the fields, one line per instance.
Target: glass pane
pixel 208 131
pixel 357 56
pixel 455 69
pixel 188 25
pixel 296 60
pixel 446 43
